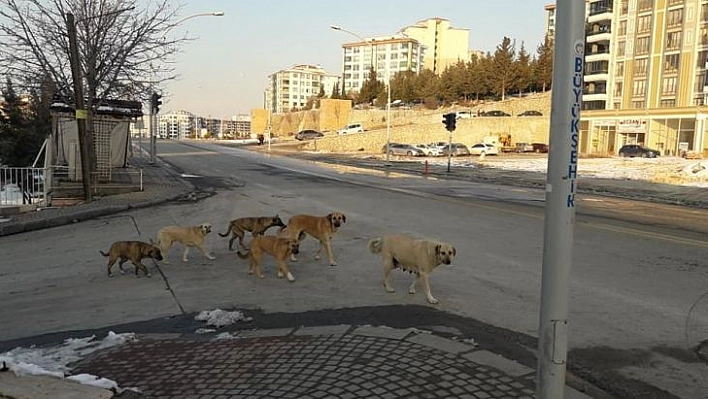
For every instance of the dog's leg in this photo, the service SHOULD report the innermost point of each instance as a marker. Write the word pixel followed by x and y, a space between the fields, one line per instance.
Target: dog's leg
pixel 231 240
pixel 411 289
pixel 257 259
pixel 328 247
pixel 388 266
pixel 426 287
pixel 241 235
pixel 284 271
pixel 120 265
pixel 111 261
pixel 164 249
pixel 140 266
pixel 205 253
pixel 186 252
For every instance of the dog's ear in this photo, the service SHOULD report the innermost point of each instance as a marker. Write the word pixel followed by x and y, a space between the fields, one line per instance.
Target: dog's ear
pixel 329 217
pixel 454 251
pixel 151 241
pixel 344 218
pixel 437 249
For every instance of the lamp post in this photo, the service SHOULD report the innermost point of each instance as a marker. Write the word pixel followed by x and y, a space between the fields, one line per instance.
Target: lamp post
pixel 153 120
pixel 388 89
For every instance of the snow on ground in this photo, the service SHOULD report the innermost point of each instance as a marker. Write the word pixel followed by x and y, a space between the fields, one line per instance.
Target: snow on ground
pixel 220 318
pixel 54 361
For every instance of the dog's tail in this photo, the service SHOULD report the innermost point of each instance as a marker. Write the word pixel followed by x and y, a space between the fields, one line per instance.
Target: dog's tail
pixel 102 253
pixel 375 245
pixel 227 231
pixel 244 255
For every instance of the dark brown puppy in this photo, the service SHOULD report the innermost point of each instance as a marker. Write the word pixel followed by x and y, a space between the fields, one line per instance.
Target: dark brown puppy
pixel 323 228
pixel 134 251
pixel 279 248
pixel 257 226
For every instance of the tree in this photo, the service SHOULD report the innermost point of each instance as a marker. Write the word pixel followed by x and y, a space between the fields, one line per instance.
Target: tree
pixel 24 125
pixel 371 89
pixel 543 67
pixel 123 50
pixel 523 70
pixel 504 74
pixel 335 92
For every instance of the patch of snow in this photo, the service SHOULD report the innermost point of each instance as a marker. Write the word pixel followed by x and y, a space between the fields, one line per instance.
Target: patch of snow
pixel 225 335
pixel 219 318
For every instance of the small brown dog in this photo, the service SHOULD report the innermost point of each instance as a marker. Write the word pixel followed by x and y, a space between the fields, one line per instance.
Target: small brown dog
pixel 256 225
pixel 189 236
pixel 134 251
pixel 279 248
pixel 323 228
pixel 417 256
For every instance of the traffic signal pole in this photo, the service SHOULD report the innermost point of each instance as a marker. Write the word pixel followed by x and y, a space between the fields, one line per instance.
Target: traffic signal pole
pixel 450 121
pixel 566 101
pixel 155 103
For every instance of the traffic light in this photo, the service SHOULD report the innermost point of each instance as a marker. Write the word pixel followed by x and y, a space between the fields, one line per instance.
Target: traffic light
pixel 155 102
pixel 450 120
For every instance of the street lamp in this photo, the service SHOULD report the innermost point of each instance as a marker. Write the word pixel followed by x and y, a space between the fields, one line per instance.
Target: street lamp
pixel 388 89
pixel 153 138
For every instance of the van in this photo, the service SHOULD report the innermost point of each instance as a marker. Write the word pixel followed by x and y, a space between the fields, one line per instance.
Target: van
pixel 351 128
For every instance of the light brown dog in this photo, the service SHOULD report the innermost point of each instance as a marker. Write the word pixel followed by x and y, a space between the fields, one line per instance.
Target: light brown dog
pixel 418 256
pixel 189 236
pixel 256 225
pixel 280 248
pixel 134 251
pixel 323 228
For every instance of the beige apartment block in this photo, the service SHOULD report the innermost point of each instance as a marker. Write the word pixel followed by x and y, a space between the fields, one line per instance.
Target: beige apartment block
pixel 293 87
pixel 645 76
pixel 442 44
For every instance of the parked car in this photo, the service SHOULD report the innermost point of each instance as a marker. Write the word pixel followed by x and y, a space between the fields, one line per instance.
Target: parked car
pixel 429 150
pixel 466 114
pixel 456 149
pixel 308 134
pixel 484 148
pixel 523 147
pixel 495 112
pixel 540 147
pixel 439 144
pixel 530 113
pixel 635 150
pixel 351 128
pixel 402 149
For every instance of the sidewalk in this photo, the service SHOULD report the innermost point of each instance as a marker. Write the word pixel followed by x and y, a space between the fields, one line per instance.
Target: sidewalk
pixel 340 361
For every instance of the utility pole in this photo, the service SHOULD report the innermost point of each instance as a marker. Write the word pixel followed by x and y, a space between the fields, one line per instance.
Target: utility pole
pixel 81 112
pixel 566 102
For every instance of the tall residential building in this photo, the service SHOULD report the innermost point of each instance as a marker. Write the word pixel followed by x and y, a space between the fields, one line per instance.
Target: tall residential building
pixel 292 88
pixel 550 20
pixel 175 125
pixel 390 54
pixel 442 44
pixel 645 76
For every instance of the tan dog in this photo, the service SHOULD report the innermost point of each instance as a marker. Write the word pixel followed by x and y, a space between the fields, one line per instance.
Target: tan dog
pixel 323 228
pixel 134 251
pixel 256 225
pixel 189 236
pixel 417 256
pixel 280 248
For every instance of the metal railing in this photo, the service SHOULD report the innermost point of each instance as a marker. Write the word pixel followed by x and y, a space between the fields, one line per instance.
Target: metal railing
pixel 22 186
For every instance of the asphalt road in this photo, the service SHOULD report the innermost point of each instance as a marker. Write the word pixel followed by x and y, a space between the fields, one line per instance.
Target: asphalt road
pixel 632 284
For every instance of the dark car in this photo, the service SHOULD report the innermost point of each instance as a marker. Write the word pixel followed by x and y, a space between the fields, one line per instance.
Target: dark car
pixel 540 147
pixel 456 149
pixel 308 135
pixel 495 112
pixel 530 113
pixel 635 150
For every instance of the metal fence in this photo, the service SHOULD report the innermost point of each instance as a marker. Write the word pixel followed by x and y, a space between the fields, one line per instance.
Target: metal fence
pixel 22 186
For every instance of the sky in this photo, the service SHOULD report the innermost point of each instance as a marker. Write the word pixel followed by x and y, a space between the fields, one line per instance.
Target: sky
pixel 224 71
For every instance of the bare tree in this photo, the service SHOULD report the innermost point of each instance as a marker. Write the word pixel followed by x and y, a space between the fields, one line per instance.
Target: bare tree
pixel 123 47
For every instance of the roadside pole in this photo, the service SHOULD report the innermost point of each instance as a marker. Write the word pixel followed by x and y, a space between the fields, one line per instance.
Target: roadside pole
pixel 153 139
pixel 569 46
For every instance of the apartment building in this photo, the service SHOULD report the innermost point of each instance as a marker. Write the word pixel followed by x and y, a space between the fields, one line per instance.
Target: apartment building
pixel 388 55
pixel 292 88
pixel 175 125
pixel 441 44
pixel 645 76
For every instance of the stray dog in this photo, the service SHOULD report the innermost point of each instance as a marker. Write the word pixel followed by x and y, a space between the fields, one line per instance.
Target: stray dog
pixel 256 225
pixel 189 236
pixel 417 256
pixel 134 251
pixel 280 248
pixel 323 228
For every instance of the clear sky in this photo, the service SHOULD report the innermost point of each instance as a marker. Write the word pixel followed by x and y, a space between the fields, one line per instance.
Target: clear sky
pixel 224 71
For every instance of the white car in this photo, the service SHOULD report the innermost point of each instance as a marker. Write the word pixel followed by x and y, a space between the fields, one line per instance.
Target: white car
pixel 351 128
pixel 429 150
pixel 484 148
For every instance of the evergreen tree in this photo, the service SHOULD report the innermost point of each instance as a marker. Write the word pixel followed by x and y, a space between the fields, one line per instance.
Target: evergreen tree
pixel 335 92
pixel 504 76
pixel 523 70
pixel 543 68
pixel 371 89
pixel 23 127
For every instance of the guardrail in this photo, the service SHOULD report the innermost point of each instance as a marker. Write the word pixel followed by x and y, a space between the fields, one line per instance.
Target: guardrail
pixel 22 186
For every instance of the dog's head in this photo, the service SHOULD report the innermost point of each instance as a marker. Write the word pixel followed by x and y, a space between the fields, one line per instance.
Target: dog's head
pixel 336 219
pixel 276 221
pixel 445 253
pixel 152 251
pixel 294 246
pixel 205 228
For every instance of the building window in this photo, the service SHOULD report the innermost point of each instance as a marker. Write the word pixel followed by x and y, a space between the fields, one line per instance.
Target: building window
pixel 641 46
pixel 701 59
pixel 675 2
pixel 671 63
pixel 639 88
pixel 640 66
pixel 618 90
pixel 638 104
pixel 644 24
pixel 645 5
pixel 673 40
pixel 624 7
pixel 620 48
pixel 668 85
pixel 704 12
pixel 667 103
pixel 674 17
pixel 622 30
pixel 619 69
